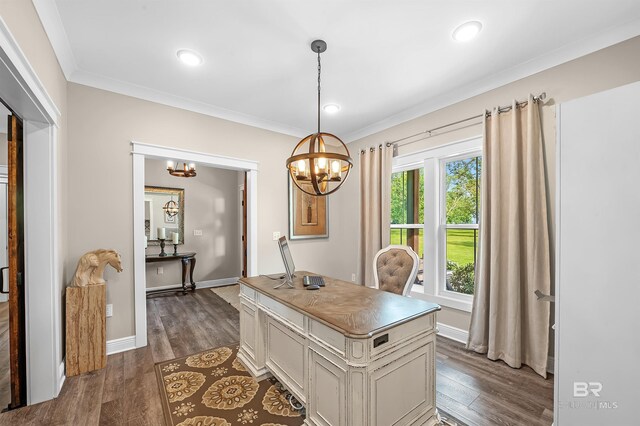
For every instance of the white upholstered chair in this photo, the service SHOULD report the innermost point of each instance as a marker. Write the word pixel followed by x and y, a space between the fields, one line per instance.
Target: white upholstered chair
pixel 395 269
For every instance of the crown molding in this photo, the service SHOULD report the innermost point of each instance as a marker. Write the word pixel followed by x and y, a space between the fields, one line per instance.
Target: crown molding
pixel 549 60
pixel 152 95
pixel 52 22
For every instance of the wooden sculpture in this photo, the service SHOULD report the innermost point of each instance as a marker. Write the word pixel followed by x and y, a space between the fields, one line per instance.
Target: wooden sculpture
pixel 91 267
pixel 86 312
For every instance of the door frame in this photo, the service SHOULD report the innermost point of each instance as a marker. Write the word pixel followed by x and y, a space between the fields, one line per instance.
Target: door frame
pixel 4 180
pixel 141 151
pixel 23 91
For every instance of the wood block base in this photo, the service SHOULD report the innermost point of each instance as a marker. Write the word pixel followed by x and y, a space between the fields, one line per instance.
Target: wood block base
pixel 86 341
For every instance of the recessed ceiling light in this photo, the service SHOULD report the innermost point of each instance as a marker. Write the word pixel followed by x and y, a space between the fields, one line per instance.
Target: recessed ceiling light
pixel 467 31
pixel 189 57
pixel 331 108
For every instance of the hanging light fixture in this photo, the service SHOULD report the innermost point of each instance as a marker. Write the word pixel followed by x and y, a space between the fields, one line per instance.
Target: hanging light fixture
pixel 185 171
pixel 171 208
pixel 320 163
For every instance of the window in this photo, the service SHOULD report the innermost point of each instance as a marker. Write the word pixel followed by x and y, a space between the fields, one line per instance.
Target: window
pixel 460 188
pixel 435 204
pixel 407 212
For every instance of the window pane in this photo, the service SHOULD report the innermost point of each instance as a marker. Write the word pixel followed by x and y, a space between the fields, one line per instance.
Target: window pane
pixel 398 199
pixel 463 190
pixel 407 197
pixel 407 207
pixel 413 238
pixel 461 259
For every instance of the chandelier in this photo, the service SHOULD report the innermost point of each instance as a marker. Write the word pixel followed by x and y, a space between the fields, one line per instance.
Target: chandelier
pixel 185 171
pixel 320 162
pixel 171 208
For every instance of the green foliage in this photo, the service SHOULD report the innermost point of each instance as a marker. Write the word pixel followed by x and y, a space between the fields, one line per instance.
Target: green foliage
pixel 463 189
pixel 462 277
pixel 398 198
pixel 399 194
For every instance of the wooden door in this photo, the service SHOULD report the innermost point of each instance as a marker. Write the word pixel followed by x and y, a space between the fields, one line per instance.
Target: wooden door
pixel 16 263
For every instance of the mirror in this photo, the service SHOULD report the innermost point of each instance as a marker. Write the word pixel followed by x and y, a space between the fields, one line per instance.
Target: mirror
pixel 155 198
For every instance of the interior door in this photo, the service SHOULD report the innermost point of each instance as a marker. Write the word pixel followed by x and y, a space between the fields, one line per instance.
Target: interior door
pixel 16 263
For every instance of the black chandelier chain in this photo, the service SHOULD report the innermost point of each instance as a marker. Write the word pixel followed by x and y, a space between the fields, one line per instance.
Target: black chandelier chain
pixel 319 71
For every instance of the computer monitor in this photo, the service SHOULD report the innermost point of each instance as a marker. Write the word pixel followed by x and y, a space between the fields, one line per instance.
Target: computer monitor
pixel 289 267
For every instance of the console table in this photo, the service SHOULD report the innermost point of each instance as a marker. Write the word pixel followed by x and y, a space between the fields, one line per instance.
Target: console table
pixel 188 261
pixel 352 355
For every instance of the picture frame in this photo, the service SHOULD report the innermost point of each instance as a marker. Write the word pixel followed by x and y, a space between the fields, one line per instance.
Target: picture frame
pixel 308 214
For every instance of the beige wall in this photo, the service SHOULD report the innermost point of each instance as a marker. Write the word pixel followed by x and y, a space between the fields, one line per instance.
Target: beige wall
pixel 211 205
pixel 102 125
pixel 24 24
pixel 605 69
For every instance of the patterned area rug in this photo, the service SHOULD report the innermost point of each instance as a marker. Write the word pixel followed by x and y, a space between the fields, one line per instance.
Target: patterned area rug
pixel 213 388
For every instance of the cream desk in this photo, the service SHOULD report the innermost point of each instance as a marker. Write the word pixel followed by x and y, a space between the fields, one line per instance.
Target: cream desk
pixel 352 355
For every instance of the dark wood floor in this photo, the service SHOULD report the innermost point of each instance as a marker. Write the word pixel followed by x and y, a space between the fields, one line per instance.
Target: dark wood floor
pixel 474 389
pixel 479 391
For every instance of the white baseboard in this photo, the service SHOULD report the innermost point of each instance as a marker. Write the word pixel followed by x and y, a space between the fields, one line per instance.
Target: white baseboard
pixel 453 333
pixel 61 376
pixel 4 297
pixel 120 345
pixel 551 363
pixel 200 284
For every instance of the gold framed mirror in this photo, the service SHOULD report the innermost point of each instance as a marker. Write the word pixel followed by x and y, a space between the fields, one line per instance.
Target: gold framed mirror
pixel 156 216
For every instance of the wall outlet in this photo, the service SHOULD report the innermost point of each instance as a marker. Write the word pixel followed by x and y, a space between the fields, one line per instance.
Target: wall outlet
pixel 109 310
pixel 160 270
pixel 353 278
pixel 276 236
pixel 197 232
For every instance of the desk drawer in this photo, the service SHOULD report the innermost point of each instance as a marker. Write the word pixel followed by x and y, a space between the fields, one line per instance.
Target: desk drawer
pixel 390 339
pixel 248 292
pixel 328 336
pixel 293 317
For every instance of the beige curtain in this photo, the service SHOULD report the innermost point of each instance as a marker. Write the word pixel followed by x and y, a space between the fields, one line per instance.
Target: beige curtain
pixel 375 206
pixel 507 322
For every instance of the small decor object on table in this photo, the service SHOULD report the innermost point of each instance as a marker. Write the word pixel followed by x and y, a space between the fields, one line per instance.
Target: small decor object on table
pixel 86 341
pixel 176 240
pixel 162 236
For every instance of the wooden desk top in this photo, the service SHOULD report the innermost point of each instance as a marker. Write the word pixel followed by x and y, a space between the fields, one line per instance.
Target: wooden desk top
pixel 353 310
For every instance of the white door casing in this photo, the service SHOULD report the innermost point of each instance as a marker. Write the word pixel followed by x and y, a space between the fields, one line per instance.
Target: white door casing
pixel 25 94
pixel 139 152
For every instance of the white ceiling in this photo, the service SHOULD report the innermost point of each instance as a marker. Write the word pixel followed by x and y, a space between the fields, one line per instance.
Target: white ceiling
pixel 387 61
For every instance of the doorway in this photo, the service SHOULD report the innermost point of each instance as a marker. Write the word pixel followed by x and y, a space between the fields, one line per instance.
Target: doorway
pixel 12 304
pixel 23 92
pixel 141 152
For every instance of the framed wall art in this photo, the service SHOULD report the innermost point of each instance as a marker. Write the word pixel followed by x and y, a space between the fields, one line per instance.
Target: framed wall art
pixel 308 214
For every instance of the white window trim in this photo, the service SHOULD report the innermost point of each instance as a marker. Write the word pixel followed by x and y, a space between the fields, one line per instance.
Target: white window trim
pixel 434 230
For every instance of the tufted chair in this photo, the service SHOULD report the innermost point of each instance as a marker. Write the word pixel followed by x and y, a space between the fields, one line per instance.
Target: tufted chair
pixel 395 269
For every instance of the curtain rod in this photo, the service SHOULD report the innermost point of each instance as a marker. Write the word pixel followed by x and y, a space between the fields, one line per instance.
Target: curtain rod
pixel 541 97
